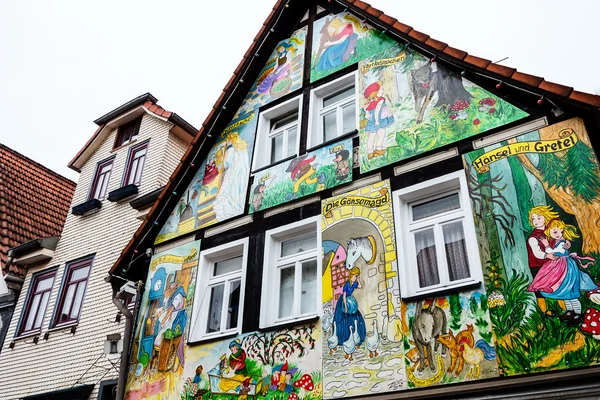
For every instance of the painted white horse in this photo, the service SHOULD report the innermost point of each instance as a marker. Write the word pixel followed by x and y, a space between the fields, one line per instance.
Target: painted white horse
pixel 364 247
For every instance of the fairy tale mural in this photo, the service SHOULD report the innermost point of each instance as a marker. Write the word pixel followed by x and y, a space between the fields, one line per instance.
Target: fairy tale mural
pixel 409 104
pixel 218 190
pixel 362 333
pixel 342 40
pixel 159 350
pixel 281 75
pixel 281 364
pixel 536 205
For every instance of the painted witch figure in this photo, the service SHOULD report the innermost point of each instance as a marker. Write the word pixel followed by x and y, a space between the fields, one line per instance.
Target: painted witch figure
pixel 379 116
pixel 232 196
pixel 560 278
pixel 347 315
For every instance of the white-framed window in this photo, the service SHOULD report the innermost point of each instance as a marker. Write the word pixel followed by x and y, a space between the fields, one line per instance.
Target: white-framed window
pixel 436 240
pixel 220 284
pixel 278 133
pixel 292 273
pixel 333 110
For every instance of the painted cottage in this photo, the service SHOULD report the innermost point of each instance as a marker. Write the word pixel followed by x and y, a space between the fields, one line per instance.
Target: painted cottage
pixel 368 211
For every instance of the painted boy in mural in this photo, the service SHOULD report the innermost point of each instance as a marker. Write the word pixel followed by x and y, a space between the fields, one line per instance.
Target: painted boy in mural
pixel 379 117
pixel 338 44
pixel 560 278
pixel 349 322
pixel 231 197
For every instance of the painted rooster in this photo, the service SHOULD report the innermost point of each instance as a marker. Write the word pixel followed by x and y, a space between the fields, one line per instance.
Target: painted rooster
pixel 475 355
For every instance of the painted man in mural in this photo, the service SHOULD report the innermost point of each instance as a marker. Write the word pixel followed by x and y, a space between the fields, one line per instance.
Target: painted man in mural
pixel 237 358
pixel 173 317
pixel 379 117
pixel 232 195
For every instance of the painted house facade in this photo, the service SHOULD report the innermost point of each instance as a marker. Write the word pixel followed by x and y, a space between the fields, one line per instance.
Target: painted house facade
pixel 367 211
pixel 55 344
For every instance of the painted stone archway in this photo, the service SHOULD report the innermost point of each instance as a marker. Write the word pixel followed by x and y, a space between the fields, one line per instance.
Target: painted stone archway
pixel 362 345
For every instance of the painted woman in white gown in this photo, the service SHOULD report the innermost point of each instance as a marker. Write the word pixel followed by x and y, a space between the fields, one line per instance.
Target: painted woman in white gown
pixel 231 198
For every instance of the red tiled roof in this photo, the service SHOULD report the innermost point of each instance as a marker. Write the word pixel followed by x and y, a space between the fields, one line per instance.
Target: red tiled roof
pixel 34 201
pixel 506 74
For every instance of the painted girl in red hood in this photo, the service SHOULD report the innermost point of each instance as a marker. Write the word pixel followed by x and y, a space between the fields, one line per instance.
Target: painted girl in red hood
pixel 379 116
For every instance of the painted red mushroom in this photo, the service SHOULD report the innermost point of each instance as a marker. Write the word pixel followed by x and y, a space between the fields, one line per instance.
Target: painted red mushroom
pixel 491 110
pixel 591 322
pixel 486 104
pixel 594 295
pixel 476 121
pixel 293 396
pixel 305 382
pixel 459 109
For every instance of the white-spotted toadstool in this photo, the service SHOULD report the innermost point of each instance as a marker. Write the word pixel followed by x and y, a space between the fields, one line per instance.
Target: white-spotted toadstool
pixel 594 295
pixel 486 105
pixel 459 110
pixel 305 382
pixel 591 322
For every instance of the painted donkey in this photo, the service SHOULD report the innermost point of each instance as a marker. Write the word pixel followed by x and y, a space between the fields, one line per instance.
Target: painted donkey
pixel 430 79
pixel 428 325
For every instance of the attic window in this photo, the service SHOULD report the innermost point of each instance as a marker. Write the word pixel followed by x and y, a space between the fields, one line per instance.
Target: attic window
pixel 128 132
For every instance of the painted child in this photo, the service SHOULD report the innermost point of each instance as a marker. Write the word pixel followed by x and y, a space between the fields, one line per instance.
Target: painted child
pixel 561 278
pixel 347 312
pixel 342 164
pixel 536 253
pixel 201 384
pixel 379 117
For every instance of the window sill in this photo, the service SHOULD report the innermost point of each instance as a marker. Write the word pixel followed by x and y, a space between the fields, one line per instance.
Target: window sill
pixel 69 325
pixel 334 140
pixel 27 336
pixel 443 291
pixel 215 338
pixel 88 206
pixel 289 323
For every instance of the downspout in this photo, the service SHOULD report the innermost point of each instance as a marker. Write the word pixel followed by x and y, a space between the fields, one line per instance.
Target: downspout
pixel 119 301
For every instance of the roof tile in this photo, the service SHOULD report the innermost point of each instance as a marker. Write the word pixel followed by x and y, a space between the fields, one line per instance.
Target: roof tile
pixel 477 61
pixel 436 44
pixel 374 12
pixel 501 70
pixel 361 4
pixel 555 88
pixel 588 98
pixel 402 27
pixel 531 80
pixel 421 37
pixel 386 19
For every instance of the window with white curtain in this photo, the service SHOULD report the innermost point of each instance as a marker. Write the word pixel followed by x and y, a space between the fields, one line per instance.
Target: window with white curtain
pixel 219 298
pixel 292 273
pixel 278 133
pixel 333 110
pixel 436 236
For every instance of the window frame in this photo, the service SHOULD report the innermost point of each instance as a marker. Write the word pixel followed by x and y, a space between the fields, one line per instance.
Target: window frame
pixel 271 272
pixel 205 281
pixel 97 173
pixel 136 123
pixel 436 188
pixel 262 158
pixel 35 278
pixel 131 159
pixel 315 137
pixel 69 268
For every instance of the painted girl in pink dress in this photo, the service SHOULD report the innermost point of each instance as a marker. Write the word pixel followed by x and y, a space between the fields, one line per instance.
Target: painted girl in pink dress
pixel 561 278
pixel 379 116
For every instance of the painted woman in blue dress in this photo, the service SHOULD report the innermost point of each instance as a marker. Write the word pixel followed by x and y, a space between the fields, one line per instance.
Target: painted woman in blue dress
pixel 347 312
pixel 560 278
pixel 338 45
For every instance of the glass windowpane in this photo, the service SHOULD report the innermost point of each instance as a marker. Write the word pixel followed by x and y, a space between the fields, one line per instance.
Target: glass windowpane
pixel 215 307
pixel 329 126
pixel 434 207
pixel 348 118
pixel 298 244
pixel 132 171
pixel 308 301
pixel 64 313
pixel 33 309
pixel 284 120
pixel 456 251
pixel 334 98
pixel 79 273
pixel 78 300
pixel 233 306
pixel 227 266
pixel 286 291
pixel 426 258
pixel 291 147
pixel 44 284
pixel 276 148
pixel 41 310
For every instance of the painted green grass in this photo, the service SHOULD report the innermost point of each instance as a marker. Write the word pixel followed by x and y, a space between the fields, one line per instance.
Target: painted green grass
pixel 372 43
pixel 277 194
pixel 438 129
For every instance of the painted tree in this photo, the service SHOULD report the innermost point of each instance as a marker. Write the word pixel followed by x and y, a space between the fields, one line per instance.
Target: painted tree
pixel 455 312
pixel 572 179
pixel 274 347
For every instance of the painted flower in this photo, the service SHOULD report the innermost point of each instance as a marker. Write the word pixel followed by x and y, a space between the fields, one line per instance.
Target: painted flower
pixel 496 299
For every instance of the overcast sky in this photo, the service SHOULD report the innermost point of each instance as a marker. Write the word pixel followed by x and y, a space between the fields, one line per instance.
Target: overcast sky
pixel 65 63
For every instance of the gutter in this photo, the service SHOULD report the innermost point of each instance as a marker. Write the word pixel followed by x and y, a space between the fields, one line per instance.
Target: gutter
pixel 118 300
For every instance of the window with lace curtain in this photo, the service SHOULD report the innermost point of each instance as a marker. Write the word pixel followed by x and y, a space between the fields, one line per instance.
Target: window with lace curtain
pixel 436 237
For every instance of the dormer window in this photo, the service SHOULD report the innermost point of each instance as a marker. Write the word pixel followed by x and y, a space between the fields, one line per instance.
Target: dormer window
pixel 101 178
pixel 128 132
